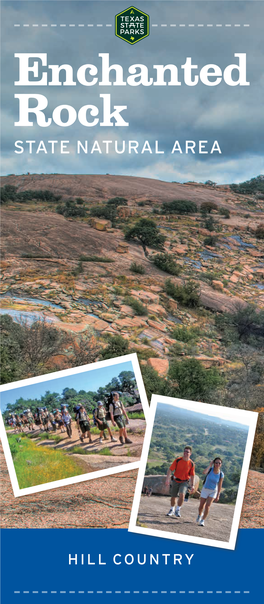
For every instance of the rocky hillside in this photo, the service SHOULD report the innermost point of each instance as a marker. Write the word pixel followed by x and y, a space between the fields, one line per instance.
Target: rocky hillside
pixel 78 273
pixel 98 188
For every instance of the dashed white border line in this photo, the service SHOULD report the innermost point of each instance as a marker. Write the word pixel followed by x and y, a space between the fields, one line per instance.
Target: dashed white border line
pixel 133 592
pixel 152 25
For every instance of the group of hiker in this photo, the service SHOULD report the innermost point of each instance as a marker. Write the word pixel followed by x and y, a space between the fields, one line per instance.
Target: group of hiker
pixel 60 419
pixel 182 484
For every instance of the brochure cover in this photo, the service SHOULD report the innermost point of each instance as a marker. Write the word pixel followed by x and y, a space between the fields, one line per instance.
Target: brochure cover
pixel 132 256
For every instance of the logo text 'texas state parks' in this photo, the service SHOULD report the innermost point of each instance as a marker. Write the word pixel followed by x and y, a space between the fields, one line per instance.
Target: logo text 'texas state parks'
pixel 132 25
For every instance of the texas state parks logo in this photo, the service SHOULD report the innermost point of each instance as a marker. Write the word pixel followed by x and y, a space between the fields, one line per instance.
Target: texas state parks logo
pixel 132 25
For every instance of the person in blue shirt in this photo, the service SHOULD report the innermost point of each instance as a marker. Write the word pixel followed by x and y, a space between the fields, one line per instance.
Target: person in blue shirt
pixel 211 489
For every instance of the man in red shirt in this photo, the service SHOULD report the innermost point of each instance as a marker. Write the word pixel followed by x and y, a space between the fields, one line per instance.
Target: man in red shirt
pixel 184 470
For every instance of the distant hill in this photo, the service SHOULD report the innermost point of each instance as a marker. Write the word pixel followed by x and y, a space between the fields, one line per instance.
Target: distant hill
pixel 102 187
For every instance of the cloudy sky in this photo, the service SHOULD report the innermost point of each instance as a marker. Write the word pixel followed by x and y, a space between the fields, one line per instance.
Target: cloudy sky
pixel 209 32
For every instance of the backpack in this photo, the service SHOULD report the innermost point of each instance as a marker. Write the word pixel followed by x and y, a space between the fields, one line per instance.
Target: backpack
pixel 109 401
pixel 220 475
pixel 94 417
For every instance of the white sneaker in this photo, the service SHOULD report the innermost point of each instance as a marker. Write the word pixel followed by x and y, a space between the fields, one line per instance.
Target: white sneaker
pixel 201 523
pixel 177 513
pixel 100 440
pixel 198 518
pixel 171 512
pixel 114 440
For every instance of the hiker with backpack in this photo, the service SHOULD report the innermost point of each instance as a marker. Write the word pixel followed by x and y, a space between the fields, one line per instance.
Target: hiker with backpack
pixel 102 423
pixel 30 419
pixel 83 424
pixel 211 490
pixel 66 418
pixel 45 419
pixel 183 479
pixel 119 417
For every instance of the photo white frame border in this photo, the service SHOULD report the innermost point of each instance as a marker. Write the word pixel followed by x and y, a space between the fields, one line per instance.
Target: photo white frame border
pixel 53 376
pixel 248 418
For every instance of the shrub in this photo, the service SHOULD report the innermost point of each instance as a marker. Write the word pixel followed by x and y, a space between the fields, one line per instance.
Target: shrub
pixel 10 193
pixel 183 334
pixel 153 382
pixel 187 294
pixel 244 324
pixel 166 263
pixel 249 187
pixel 79 200
pixel 84 258
pixel 105 451
pixel 117 201
pixel 224 212
pixel 210 276
pixel 207 207
pixel 78 270
pixel 105 211
pixel 117 347
pixel 137 306
pixel 70 209
pixel 210 224
pixel 137 268
pixel 179 206
pixel 211 241
pixel 32 255
pixel 193 380
pixel 260 231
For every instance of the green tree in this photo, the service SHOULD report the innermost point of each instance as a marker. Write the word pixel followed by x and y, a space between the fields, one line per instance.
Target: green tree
pixel 11 349
pixel 207 207
pixel 167 264
pixel 179 206
pixel 153 382
pixel 187 294
pixel 117 347
pixel 70 209
pixel 260 231
pixel 147 233
pixel 117 201
pixel 193 380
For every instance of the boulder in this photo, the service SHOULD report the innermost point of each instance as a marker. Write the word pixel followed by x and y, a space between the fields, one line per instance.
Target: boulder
pixel 160 365
pixel 157 309
pixel 100 224
pixel 157 325
pixel 255 253
pixel 208 362
pixel 122 247
pixel 181 250
pixel 233 279
pixel 217 285
pixel 125 211
pixel 147 297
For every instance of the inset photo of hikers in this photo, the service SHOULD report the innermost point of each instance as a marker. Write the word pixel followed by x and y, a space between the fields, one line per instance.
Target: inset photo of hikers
pixel 193 472
pixel 74 425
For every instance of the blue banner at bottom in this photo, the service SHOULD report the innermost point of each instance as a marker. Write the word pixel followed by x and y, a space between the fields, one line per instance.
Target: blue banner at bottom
pixel 73 565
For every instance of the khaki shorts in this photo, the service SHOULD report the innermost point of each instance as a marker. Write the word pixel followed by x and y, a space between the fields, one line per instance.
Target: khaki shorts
pixel 85 426
pixel 120 421
pixel 103 426
pixel 179 487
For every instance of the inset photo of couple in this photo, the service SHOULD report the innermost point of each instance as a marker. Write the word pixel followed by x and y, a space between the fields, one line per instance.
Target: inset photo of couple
pixel 193 472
